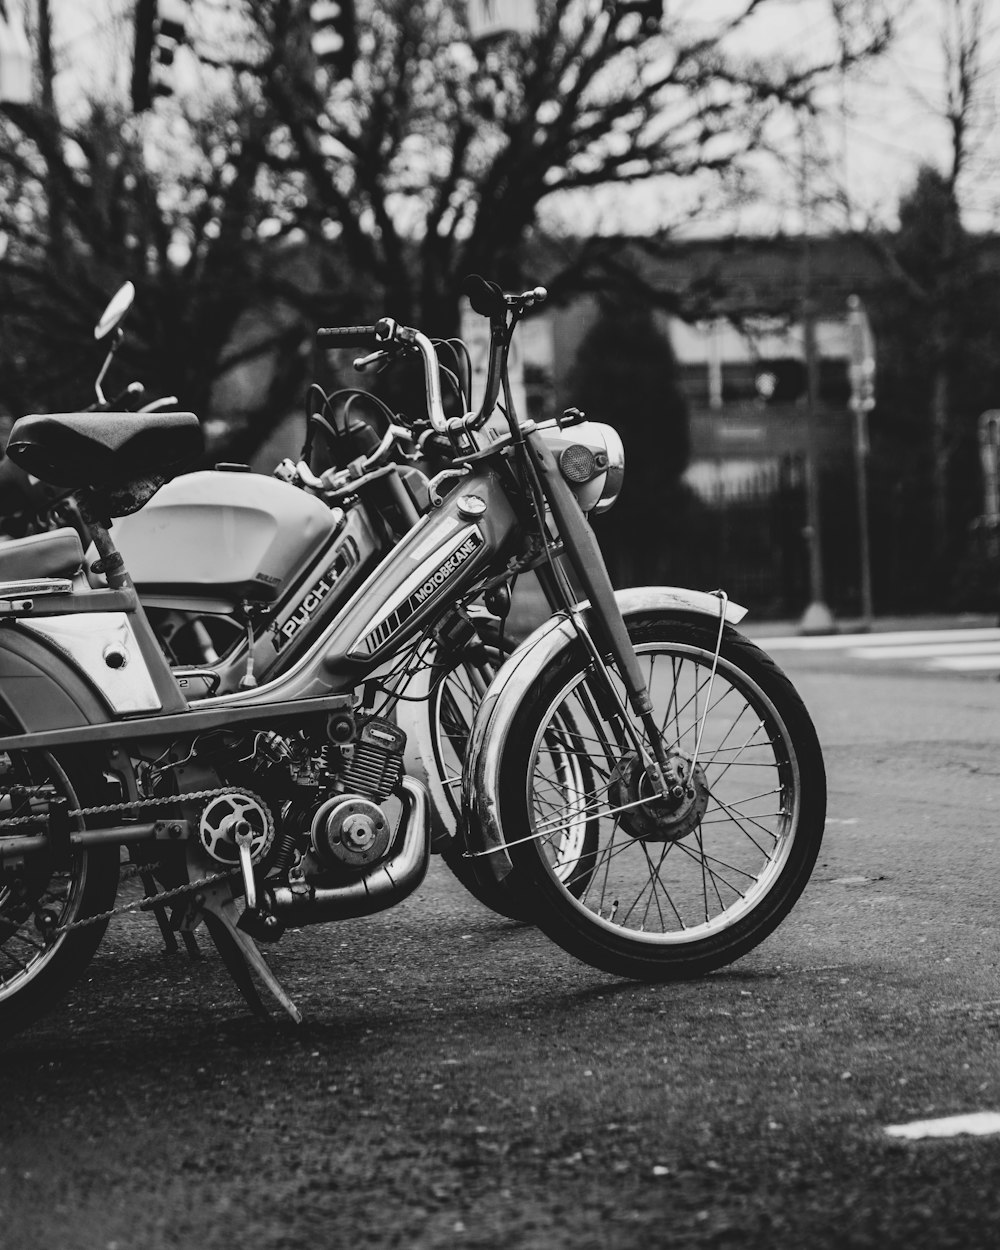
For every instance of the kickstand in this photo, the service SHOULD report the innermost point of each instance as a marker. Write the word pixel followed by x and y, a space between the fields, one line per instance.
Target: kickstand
pixel 164 922
pixel 240 953
pixel 160 912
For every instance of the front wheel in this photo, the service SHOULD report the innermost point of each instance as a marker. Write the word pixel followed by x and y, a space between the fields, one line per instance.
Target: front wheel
pixel 681 885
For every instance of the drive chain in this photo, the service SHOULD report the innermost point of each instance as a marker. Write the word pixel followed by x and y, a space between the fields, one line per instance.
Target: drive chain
pixel 153 900
pixel 146 904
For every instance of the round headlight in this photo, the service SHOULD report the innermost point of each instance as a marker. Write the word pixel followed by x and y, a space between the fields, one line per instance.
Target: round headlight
pixel 578 464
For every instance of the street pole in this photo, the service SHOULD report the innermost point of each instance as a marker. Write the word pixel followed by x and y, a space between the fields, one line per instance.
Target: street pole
pixel 861 471
pixel 862 376
pixel 817 618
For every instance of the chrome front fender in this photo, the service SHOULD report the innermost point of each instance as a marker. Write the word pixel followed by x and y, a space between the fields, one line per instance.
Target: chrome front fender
pixel 494 718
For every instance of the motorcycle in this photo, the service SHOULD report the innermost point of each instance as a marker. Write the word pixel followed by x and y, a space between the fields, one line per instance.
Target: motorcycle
pixel 276 797
pixel 197 549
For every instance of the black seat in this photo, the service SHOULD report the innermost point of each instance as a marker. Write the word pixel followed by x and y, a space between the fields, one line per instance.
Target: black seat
pixel 56 553
pixel 104 449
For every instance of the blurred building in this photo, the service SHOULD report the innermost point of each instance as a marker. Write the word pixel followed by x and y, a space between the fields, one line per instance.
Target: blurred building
pixel 743 363
pixel 744 370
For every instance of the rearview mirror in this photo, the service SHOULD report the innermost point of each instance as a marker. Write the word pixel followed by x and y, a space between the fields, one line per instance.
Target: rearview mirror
pixel 115 312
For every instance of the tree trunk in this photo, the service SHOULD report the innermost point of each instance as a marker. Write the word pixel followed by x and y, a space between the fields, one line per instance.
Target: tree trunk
pixel 940 454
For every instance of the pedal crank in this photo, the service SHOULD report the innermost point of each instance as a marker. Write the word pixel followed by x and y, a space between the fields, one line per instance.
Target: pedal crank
pixel 243 835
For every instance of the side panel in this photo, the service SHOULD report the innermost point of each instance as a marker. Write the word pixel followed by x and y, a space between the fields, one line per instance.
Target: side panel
pixel 308 605
pixel 39 690
pixel 494 717
pixel 434 565
pixel 421 578
pixel 104 647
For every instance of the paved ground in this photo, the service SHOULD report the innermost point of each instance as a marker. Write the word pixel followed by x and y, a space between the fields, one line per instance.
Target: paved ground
pixel 460 1082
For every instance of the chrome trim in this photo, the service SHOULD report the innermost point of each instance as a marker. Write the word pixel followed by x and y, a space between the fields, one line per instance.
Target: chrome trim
pixel 36 586
pixel 600 491
pixel 615 450
pixel 492 724
pixel 84 637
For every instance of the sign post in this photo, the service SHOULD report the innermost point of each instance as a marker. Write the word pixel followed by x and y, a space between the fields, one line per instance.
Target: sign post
pixel 861 371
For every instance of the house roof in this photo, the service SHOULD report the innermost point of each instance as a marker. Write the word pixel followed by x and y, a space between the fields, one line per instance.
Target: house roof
pixel 742 275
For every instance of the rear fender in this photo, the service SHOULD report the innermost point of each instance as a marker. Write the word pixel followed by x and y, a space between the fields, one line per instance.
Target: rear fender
pixel 494 718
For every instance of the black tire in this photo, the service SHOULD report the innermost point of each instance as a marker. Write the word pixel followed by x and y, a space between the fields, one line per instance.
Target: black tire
pixel 451 709
pixel 69 886
pixel 683 887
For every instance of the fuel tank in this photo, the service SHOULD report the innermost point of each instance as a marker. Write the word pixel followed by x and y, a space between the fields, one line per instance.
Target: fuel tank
pixel 222 536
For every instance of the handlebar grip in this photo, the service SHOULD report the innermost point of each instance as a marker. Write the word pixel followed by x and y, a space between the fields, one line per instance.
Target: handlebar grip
pixel 347 336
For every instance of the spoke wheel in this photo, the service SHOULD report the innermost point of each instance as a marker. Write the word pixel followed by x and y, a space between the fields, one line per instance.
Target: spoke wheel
pixel 683 885
pixel 44 890
pixel 451 710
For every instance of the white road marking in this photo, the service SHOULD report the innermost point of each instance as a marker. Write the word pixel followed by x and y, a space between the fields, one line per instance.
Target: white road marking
pixel 822 642
pixel 950 650
pixel 968 663
pixel 922 650
pixel 976 1124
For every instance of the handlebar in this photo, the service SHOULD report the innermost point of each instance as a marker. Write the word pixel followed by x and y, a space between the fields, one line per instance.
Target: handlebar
pixel 125 401
pixel 347 336
pixel 488 299
pixel 158 405
pixel 332 480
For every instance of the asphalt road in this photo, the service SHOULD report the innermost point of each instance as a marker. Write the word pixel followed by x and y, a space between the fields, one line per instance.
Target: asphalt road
pixel 460 1082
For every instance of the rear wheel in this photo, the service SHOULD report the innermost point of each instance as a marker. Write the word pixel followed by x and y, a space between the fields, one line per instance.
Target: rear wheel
pixel 451 710
pixel 683 885
pixel 42 891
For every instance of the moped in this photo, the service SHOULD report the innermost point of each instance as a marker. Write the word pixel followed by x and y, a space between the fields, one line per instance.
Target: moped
pixel 271 793
pixel 211 552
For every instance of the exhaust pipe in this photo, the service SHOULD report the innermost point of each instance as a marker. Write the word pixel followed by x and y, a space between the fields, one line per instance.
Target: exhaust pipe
pixel 382 887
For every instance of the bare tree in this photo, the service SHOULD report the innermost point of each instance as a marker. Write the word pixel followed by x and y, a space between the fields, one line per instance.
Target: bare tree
pixel 183 200
pixel 418 159
pixel 434 158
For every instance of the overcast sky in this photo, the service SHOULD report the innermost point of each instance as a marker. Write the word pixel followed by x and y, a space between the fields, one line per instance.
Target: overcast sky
pixel 890 119
pixel 889 116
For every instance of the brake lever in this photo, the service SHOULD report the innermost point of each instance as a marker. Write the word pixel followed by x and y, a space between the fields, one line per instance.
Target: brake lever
pixel 379 360
pixel 537 295
pixel 402 434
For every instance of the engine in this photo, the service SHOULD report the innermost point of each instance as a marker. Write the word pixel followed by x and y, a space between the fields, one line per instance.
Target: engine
pixel 332 795
pixel 351 830
pixel 336 829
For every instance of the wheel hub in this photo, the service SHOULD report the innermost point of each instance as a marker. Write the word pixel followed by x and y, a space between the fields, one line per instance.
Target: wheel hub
pixel 655 818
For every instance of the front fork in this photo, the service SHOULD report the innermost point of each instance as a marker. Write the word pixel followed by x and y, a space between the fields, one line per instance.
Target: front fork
pixel 585 558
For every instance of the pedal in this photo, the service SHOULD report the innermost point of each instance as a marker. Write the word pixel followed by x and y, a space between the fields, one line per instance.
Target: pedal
pixel 243 836
pixel 261 925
